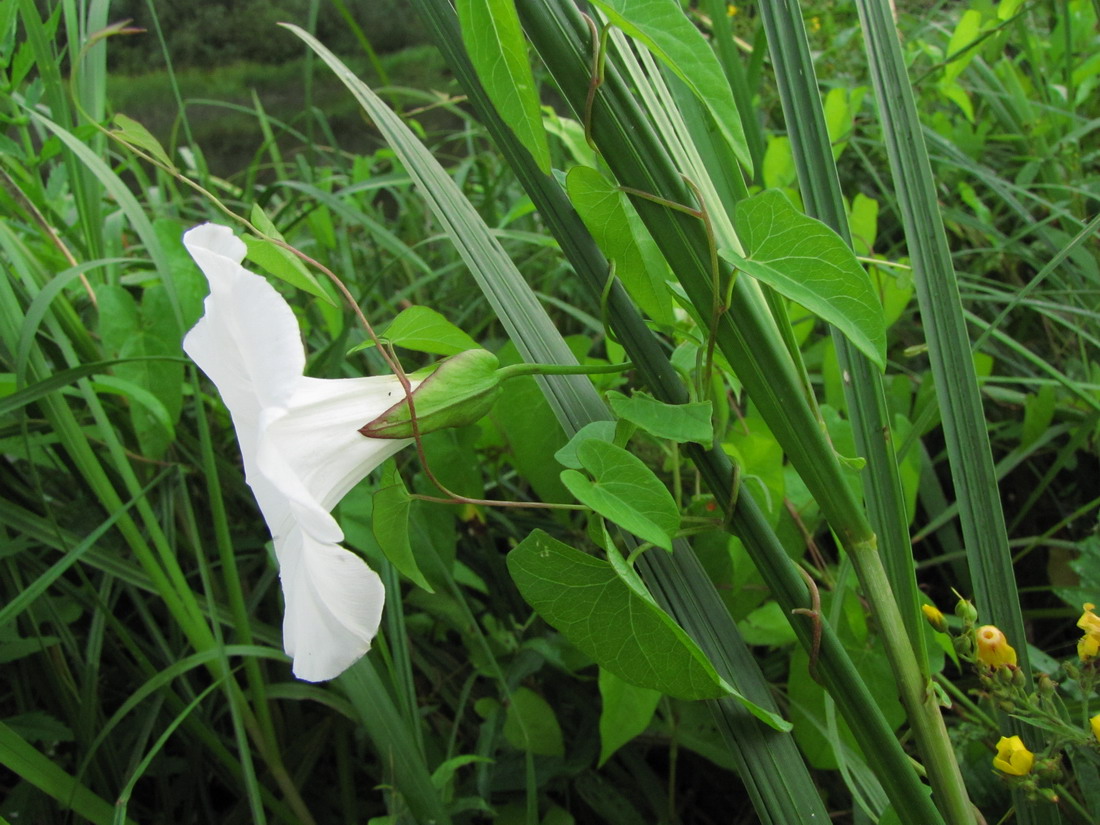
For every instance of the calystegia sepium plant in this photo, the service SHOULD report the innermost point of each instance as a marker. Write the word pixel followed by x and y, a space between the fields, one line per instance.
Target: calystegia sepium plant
pixel 593 444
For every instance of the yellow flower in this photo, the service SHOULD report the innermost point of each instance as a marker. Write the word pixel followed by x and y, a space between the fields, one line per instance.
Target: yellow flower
pixel 731 10
pixel 1087 648
pixel 1089 621
pixel 1013 757
pixel 1094 723
pixel 1089 644
pixel 993 648
pixel 934 617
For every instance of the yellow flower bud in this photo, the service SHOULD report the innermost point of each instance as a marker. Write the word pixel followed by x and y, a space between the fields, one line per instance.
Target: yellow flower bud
pixel 934 617
pixel 993 648
pixel 1013 757
pixel 1094 723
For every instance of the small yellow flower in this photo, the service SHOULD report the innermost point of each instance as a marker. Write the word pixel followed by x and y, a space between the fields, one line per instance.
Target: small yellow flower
pixel 1089 621
pixel 731 10
pixel 1089 645
pixel 993 648
pixel 1087 648
pixel 934 617
pixel 1094 723
pixel 1013 757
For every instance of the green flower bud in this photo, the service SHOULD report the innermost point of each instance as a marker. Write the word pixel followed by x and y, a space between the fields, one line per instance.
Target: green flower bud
pixel 459 391
pixel 964 646
pixel 1045 685
pixel 1019 680
pixel 967 612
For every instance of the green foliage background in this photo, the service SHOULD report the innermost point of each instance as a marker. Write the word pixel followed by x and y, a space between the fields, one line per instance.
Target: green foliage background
pixel 139 626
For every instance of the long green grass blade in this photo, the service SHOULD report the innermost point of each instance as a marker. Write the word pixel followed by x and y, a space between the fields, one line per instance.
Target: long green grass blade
pixel 866 398
pixel 29 764
pixel 948 343
pixel 396 745
pixel 673 578
pixel 964 423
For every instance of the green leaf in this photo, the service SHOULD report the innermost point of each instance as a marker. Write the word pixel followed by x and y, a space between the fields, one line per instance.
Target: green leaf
pixel 34 767
pixel 424 330
pixel 495 43
pixel 676 422
pixel 956 93
pixel 277 261
pixel 453 456
pixel 618 231
pixel 625 491
pixel 1038 413
pixel 152 385
pixel 188 284
pixel 778 163
pixel 530 724
pixel 39 726
pixel 863 223
pixel 445 773
pixel 805 261
pixel 625 712
pixel 586 600
pixel 602 430
pixel 529 432
pixel 390 525
pixel 768 626
pixel 966 32
pixel 674 40
pixel 132 132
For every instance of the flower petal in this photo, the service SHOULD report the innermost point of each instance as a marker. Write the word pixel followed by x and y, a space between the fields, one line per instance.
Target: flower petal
pixel 248 341
pixel 320 439
pixel 333 604
pixel 301 448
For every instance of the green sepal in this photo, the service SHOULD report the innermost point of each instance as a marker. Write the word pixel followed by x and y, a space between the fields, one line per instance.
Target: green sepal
pixel 459 391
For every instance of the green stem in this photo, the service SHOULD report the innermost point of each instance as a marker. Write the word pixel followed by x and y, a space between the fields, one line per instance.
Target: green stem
pixel 514 370
pixel 915 690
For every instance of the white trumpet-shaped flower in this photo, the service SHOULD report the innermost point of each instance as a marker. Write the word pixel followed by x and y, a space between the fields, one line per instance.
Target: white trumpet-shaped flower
pixel 302 452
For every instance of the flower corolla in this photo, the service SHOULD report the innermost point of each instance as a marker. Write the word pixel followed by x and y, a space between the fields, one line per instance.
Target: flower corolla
pixel 993 647
pixel 1013 757
pixel 301 448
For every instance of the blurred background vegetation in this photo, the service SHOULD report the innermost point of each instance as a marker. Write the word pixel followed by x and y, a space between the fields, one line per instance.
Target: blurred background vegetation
pixel 230 56
pixel 1012 122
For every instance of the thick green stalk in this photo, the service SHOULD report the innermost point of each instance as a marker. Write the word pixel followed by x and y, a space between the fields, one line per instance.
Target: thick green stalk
pixel 877 740
pixel 820 189
pixel 820 186
pixel 964 424
pixel 948 343
pixel 748 338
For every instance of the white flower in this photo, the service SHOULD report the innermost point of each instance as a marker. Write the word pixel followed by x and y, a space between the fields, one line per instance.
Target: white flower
pixel 301 449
